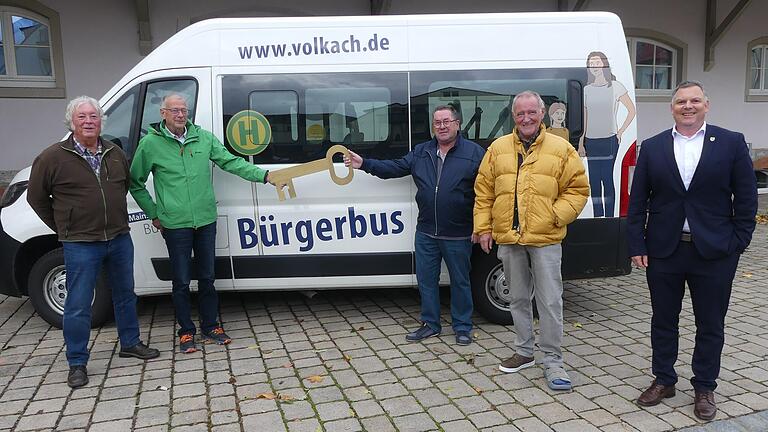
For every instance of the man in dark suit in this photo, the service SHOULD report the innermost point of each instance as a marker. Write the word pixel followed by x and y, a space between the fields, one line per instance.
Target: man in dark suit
pixel 691 214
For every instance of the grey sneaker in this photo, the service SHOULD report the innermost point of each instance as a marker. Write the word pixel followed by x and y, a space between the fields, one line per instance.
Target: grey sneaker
pixel 515 363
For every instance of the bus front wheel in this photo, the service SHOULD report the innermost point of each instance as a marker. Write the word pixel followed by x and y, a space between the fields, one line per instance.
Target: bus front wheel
pixel 490 292
pixel 48 291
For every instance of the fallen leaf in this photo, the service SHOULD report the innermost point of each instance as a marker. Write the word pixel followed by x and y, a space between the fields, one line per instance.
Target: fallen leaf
pixel 493 407
pixel 471 359
pixel 762 219
pixel 478 389
pixel 314 379
pixel 285 397
pixel 747 275
pixel 347 357
pixel 577 325
pixel 268 396
pixel 361 328
pixel 232 380
pixel 288 365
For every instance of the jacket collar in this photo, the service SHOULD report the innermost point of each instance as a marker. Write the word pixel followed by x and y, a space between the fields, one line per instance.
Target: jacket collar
pixel 69 144
pixel 538 141
pixel 431 146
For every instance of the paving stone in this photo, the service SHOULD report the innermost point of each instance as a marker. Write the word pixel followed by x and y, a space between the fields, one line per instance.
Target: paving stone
pixel 114 410
pixel 333 410
pixel 414 423
pixel 345 425
pixel 270 421
pixel 37 421
pixel 74 422
pixel 458 426
pixel 575 425
pixel 325 394
pixel 488 419
pixel 367 408
pixel 307 425
pixel 152 416
pixel 401 405
pixel 379 424
pixel 111 426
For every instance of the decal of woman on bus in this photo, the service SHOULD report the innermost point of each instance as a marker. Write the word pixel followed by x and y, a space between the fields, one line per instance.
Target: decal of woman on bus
pixel 557 120
pixel 601 139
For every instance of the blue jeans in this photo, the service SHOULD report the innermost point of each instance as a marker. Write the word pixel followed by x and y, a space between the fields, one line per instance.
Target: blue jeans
pixel 456 253
pixel 83 262
pixel 601 157
pixel 180 243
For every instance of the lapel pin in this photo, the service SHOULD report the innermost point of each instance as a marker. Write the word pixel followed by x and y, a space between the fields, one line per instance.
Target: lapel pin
pixel 711 138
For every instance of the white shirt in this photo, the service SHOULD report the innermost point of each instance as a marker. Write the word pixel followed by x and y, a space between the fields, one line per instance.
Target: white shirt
pixel 687 155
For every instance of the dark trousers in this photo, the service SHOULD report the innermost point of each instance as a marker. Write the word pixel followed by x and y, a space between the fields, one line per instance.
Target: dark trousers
pixel 601 157
pixel 180 243
pixel 709 282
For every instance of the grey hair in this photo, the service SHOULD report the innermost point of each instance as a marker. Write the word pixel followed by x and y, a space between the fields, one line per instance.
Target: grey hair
pixel 171 96
pixel 75 103
pixel 450 108
pixel 688 84
pixel 528 93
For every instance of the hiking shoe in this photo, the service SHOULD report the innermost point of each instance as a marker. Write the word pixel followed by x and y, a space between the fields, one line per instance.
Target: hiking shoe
pixel 78 376
pixel 515 363
pixel 422 333
pixel 217 335
pixel 140 351
pixel 187 343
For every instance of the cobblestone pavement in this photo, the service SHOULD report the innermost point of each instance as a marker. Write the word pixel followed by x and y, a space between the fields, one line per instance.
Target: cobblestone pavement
pixel 338 362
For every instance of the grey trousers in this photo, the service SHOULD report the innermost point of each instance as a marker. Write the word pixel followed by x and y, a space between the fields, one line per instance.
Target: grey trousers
pixel 535 272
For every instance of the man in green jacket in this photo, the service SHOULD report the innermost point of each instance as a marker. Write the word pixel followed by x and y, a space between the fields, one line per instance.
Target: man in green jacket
pixel 178 154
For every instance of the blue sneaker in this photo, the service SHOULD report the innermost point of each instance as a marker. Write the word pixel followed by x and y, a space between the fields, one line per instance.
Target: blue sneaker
pixel 422 333
pixel 463 337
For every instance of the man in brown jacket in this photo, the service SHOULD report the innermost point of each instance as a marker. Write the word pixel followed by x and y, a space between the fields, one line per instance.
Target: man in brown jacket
pixel 78 188
pixel 531 184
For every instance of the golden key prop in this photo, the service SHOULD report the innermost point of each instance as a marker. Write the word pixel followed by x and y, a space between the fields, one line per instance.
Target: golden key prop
pixel 284 177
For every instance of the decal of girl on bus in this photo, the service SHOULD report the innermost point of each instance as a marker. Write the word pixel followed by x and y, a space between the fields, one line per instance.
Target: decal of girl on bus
pixel 557 120
pixel 601 139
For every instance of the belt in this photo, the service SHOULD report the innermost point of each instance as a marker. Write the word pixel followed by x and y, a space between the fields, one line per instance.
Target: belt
pixel 686 237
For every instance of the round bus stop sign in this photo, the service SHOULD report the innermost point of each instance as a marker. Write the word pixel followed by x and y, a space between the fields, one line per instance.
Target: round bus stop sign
pixel 248 132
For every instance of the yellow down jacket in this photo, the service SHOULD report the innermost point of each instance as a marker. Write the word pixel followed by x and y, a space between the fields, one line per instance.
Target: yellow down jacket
pixel 551 188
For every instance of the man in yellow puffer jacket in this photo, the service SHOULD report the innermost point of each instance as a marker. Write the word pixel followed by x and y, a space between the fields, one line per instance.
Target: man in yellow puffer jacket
pixel 531 184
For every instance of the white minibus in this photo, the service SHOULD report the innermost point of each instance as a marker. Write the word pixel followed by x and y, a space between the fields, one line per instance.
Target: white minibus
pixel 282 91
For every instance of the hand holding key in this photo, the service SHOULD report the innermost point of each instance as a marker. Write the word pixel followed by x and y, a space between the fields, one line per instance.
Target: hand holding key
pixel 284 177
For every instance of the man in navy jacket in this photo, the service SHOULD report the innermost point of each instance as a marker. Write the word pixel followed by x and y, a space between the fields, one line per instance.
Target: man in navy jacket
pixel 691 214
pixel 444 170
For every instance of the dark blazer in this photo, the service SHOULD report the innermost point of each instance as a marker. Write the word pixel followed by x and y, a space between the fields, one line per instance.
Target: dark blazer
pixel 720 203
pixel 445 210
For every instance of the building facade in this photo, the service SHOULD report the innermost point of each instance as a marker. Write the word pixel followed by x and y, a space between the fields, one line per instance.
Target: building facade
pixel 54 50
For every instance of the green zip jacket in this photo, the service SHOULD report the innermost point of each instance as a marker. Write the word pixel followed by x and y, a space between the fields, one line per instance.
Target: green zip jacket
pixel 182 175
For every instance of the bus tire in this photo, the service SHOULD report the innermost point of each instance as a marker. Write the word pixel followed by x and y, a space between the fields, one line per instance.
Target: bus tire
pixel 490 293
pixel 47 290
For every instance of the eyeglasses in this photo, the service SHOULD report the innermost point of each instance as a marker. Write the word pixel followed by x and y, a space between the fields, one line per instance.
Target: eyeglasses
pixel 443 123
pixel 91 117
pixel 176 111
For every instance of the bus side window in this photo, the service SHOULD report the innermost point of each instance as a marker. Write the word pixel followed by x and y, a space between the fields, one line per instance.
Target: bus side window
pixel 309 113
pixel 120 118
pixel 153 99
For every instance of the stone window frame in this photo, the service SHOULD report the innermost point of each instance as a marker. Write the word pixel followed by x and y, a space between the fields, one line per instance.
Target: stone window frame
pixel 52 88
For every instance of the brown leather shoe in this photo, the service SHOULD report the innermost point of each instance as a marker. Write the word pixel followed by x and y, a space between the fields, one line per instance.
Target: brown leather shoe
pixel 655 393
pixel 704 406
